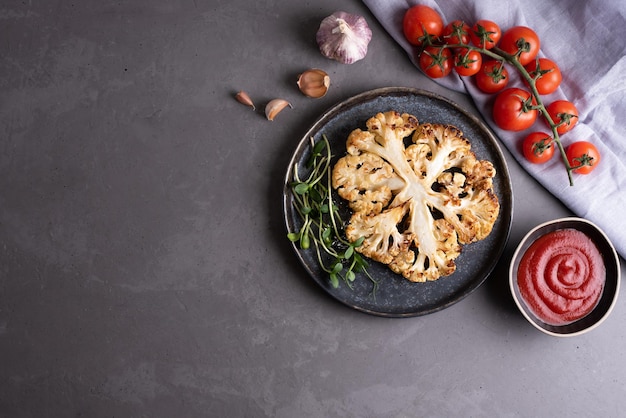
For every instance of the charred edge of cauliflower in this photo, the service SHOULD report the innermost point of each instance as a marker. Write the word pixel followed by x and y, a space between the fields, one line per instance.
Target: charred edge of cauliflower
pixel 415 205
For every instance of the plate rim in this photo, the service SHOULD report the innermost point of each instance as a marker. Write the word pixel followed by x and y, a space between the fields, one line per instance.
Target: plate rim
pixel 375 94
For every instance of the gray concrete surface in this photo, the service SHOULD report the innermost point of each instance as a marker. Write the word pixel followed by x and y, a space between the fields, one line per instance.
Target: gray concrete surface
pixel 144 269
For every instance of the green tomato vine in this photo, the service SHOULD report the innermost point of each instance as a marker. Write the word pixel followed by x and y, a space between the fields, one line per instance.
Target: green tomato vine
pixel 513 59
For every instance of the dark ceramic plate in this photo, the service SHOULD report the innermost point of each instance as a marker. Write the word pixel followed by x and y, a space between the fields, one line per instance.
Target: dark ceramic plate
pixel 396 296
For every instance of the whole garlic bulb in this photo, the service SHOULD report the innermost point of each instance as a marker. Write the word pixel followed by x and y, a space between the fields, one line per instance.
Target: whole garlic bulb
pixel 344 37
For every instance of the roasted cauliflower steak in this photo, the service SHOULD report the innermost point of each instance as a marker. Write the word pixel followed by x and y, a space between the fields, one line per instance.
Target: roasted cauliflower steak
pixel 417 194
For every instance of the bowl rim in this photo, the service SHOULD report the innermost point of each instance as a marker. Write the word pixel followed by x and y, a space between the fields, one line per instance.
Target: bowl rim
pixel 612 257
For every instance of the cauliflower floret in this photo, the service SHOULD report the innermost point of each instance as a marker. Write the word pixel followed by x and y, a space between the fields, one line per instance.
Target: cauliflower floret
pixel 448 148
pixel 475 214
pixel 414 206
pixel 479 172
pixel 418 266
pixel 384 137
pixel 365 181
pixel 453 183
pixel 383 241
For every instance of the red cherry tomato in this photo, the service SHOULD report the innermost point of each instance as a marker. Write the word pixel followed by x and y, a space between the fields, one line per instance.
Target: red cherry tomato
pixel 492 77
pixel 436 62
pixel 583 157
pixel 467 62
pixel 512 109
pixel 522 41
pixel 485 34
pixel 538 148
pixel 456 32
pixel 421 24
pixel 564 114
pixel 548 75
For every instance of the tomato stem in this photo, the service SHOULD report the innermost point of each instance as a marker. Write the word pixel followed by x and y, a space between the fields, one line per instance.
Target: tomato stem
pixel 541 147
pixel 583 160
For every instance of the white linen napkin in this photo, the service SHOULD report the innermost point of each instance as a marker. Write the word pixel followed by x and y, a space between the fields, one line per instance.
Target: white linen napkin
pixel 587 41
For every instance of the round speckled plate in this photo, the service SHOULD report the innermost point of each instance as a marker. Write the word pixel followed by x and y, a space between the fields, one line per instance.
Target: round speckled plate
pixel 396 296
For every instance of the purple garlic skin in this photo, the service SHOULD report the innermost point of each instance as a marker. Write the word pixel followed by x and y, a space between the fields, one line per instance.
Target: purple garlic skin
pixel 344 37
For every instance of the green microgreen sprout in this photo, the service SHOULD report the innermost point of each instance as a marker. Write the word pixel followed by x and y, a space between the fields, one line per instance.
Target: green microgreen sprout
pixel 322 226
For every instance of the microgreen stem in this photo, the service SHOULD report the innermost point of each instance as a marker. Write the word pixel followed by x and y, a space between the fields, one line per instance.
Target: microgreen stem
pixel 322 225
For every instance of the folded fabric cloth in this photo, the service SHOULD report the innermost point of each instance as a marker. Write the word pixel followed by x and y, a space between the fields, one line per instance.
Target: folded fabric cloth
pixel 587 43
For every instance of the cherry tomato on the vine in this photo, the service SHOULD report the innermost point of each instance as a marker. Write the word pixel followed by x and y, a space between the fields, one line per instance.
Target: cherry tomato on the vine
pixel 421 24
pixel 436 62
pixel 548 75
pixel 485 34
pixel 467 62
pixel 456 32
pixel 564 114
pixel 583 157
pixel 513 109
pixel 537 147
pixel 492 77
pixel 521 40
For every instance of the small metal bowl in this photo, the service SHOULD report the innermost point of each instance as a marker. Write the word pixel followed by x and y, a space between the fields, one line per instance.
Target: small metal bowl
pixel 611 286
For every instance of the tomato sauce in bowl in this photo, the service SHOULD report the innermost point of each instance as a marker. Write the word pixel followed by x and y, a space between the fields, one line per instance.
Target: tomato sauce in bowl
pixel 565 276
pixel 561 276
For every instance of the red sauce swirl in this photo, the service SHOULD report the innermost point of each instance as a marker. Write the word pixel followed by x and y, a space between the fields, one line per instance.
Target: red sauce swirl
pixel 561 276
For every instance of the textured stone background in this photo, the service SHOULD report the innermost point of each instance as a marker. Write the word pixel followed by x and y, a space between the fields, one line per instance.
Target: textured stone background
pixel 144 269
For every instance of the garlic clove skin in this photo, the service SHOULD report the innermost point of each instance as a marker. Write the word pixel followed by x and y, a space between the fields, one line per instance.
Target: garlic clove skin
pixel 344 37
pixel 314 83
pixel 242 97
pixel 274 107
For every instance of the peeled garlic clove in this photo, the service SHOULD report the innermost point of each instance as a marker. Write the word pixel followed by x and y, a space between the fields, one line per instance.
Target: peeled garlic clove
pixel 242 97
pixel 344 37
pixel 274 107
pixel 314 83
